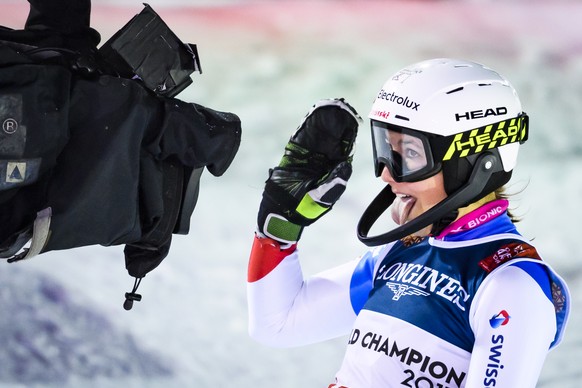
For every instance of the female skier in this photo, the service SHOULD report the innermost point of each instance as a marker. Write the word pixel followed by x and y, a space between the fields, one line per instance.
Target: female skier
pixel 454 296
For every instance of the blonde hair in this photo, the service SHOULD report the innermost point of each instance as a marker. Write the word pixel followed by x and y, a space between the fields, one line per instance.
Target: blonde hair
pixel 501 193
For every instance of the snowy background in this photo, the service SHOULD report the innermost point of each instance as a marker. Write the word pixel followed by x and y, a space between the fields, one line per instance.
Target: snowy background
pixel 61 318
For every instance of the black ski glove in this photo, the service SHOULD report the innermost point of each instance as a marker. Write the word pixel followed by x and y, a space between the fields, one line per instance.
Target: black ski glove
pixel 313 172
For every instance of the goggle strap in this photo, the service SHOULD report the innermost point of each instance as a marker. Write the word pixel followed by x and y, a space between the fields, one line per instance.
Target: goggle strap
pixel 485 166
pixel 482 139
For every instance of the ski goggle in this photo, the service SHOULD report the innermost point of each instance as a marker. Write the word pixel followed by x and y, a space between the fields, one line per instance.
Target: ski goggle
pixel 412 155
pixel 405 152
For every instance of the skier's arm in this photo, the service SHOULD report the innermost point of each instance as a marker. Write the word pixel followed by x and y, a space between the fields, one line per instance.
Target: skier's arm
pixel 514 322
pixel 287 310
pixel 284 309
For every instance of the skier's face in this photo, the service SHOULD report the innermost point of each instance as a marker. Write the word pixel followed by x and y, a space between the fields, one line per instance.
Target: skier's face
pixel 414 198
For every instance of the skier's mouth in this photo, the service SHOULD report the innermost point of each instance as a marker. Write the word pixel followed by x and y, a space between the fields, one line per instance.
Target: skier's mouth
pixel 401 208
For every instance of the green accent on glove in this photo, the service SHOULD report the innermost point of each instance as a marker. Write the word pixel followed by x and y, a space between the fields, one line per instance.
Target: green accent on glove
pixel 310 209
pixel 281 229
pixel 294 156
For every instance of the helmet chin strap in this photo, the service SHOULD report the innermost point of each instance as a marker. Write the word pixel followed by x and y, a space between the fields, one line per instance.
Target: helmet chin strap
pixel 484 167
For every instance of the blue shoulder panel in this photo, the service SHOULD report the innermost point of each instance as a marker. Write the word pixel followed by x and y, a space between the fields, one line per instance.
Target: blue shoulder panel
pixel 538 273
pixel 555 290
pixel 362 282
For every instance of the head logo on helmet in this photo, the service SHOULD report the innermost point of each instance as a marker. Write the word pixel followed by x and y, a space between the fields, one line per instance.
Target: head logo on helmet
pixel 477 114
pixel 467 120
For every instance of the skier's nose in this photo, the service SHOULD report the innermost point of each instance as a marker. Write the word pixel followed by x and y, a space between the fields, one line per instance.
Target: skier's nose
pixel 387 177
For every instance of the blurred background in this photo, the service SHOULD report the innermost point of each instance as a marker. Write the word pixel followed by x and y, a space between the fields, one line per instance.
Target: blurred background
pixel 61 318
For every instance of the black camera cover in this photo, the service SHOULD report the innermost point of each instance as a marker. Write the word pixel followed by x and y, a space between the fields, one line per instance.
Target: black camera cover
pixel 147 48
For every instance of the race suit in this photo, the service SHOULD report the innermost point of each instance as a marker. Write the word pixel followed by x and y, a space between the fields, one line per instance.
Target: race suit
pixel 472 307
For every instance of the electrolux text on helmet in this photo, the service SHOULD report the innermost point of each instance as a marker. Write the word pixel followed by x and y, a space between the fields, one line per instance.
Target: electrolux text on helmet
pixel 384 95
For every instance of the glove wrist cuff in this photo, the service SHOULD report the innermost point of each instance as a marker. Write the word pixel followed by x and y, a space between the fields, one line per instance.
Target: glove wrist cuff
pixel 281 229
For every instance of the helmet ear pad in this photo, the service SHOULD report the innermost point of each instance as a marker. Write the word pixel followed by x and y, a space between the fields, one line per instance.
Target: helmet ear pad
pixel 456 173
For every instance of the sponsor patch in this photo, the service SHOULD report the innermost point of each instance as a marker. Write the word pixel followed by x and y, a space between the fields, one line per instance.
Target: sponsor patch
pixel 401 290
pixel 479 114
pixel 400 100
pixel 509 252
pixel 558 297
pixel 494 366
pixel 416 279
pixel 499 319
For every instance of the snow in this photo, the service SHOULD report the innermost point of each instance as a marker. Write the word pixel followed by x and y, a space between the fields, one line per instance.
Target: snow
pixel 62 320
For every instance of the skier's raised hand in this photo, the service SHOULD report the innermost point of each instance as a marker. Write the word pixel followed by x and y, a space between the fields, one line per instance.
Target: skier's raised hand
pixel 313 172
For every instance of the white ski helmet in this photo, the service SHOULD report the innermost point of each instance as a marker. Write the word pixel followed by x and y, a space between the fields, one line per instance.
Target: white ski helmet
pixel 453 116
